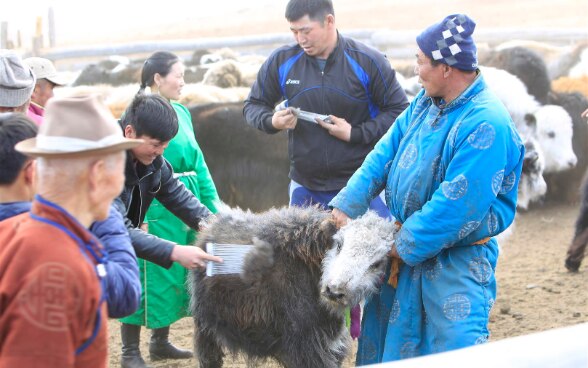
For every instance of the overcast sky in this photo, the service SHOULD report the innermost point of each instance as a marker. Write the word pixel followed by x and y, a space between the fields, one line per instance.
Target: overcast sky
pixel 108 21
pixel 80 19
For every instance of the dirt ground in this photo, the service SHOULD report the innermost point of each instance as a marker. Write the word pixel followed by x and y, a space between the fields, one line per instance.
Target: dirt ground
pixel 535 292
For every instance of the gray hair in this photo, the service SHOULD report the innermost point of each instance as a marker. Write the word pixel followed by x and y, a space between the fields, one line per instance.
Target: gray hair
pixel 67 170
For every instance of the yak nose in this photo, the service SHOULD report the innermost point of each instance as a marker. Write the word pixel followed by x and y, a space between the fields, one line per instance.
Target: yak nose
pixel 331 293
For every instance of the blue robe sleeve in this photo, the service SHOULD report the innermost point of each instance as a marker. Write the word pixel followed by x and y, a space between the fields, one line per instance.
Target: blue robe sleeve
pixel 370 179
pixel 473 189
pixel 123 286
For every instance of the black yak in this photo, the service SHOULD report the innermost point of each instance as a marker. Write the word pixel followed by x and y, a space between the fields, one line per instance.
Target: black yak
pixel 289 301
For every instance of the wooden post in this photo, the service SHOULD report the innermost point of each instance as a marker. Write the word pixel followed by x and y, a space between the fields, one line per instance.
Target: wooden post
pixel 39 27
pixel 4 35
pixel 51 21
pixel 38 38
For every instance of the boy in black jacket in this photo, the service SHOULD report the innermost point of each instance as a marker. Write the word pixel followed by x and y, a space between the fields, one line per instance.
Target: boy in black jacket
pixel 149 176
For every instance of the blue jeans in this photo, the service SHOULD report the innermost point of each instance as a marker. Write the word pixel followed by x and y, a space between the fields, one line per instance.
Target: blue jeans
pixel 377 308
pixel 303 197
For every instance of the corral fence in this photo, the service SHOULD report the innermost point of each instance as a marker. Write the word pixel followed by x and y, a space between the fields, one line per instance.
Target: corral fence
pixel 396 44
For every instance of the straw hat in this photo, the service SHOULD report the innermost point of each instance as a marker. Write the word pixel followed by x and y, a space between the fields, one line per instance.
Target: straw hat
pixel 77 126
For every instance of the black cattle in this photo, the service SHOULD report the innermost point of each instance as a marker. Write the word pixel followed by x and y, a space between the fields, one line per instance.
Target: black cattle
pixel 196 58
pixel 564 186
pixel 109 71
pixel 91 75
pixel 249 167
pixel 577 249
pixel 524 63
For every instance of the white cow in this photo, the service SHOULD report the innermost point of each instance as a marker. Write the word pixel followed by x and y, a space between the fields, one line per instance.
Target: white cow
pixel 554 134
pixel 553 129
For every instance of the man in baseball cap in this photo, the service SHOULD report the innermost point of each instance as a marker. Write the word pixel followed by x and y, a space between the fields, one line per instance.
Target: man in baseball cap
pixel 47 80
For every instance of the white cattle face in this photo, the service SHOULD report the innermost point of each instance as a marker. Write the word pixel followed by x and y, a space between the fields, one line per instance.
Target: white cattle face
pixel 554 134
pixel 356 264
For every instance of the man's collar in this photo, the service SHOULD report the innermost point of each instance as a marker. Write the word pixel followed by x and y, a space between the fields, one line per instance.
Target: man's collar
pixel 37 105
pixel 135 170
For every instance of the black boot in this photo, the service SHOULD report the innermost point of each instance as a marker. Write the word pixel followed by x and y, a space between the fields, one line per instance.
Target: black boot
pixel 160 347
pixel 131 355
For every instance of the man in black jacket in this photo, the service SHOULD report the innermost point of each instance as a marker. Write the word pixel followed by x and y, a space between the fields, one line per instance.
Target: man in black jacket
pixel 148 175
pixel 328 74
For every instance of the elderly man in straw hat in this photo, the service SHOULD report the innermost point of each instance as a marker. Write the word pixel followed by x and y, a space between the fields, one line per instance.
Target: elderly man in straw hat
pixel 52 304
pixel 17 82
pixel 17 189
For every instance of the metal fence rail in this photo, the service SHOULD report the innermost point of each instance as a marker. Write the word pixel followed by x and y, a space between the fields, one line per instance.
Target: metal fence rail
pixel 394 43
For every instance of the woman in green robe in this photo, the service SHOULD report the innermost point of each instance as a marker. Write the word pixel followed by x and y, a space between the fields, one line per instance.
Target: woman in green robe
pixel 164 297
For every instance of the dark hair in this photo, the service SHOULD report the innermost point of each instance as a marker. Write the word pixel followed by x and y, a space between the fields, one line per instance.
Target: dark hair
pixel 316 10
pixel 14 127
pixel 151 115
pixel 160 63
pixel 434 62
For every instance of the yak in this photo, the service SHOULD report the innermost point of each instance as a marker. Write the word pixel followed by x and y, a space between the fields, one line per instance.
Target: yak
pixel 289 301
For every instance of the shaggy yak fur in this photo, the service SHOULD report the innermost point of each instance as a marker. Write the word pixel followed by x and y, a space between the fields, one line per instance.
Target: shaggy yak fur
pixel 278 307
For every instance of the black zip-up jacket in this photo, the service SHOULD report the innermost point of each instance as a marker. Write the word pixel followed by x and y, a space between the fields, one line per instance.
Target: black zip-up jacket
pixel 357 84
pixel 142 185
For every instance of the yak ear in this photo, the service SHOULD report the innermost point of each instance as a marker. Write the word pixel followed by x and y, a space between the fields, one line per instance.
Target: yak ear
pixel 328 229
pixel 531 122
pixel 553 98
pixel 258 262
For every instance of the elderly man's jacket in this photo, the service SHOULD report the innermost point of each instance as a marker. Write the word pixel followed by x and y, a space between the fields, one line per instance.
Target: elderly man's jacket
pixel 52 295
pixel 122 284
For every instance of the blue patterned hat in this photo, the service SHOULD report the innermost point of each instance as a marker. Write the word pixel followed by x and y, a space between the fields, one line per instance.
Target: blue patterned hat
pixel 450 42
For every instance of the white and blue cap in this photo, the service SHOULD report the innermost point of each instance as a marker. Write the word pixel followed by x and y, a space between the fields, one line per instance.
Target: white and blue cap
pixel 450 42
